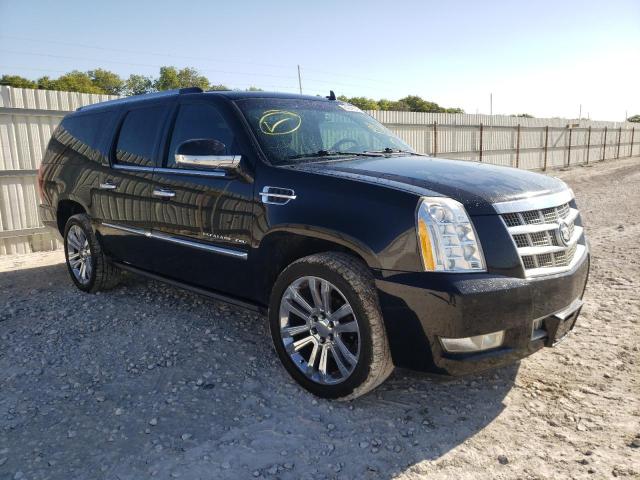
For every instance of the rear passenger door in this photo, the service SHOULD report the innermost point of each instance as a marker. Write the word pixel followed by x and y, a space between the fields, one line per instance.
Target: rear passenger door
pixel 206 222
pixel 127 205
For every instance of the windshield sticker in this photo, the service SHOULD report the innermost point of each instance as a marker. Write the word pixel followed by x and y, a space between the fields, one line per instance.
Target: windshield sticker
pixel 279 122
pixel 349 108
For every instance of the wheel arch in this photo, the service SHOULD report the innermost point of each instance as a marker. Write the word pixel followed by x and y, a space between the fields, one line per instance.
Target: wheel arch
pixel 283 246
pixel 67 207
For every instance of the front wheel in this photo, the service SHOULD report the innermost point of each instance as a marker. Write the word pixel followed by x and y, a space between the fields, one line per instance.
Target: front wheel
pixel 327 327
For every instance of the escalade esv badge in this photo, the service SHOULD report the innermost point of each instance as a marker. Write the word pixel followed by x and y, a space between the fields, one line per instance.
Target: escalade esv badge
pixel 308 210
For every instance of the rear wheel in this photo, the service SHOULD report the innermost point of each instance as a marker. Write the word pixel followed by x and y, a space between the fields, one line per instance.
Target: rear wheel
pixel 88 267
pixel 327 327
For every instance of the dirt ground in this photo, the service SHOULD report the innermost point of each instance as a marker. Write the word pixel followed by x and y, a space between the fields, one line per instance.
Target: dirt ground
pixel 149 381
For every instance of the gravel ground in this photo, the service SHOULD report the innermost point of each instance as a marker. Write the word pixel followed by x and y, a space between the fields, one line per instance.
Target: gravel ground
pixel 150 381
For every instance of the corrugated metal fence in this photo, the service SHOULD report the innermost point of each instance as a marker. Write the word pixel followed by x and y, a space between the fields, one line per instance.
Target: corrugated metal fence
pixel 530 143
pixel 28 118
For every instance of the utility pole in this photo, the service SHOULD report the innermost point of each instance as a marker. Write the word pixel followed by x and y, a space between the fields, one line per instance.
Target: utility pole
pixel 580 114
pixel 299 80
pixel 491 104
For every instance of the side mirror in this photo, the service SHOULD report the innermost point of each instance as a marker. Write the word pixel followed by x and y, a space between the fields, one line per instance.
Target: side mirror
pixel 205 153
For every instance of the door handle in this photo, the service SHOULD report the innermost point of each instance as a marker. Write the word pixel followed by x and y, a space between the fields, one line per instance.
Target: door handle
pixel 162 193
pixel 108 185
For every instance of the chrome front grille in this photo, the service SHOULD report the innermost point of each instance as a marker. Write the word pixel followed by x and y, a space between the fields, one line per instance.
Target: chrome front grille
pixel 548 239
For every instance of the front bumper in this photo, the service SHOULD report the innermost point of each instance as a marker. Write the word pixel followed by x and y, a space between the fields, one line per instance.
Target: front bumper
pixel 419 308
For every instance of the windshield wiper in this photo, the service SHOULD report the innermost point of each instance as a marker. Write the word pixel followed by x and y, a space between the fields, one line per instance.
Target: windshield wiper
pixel 397 150
pixel 333 153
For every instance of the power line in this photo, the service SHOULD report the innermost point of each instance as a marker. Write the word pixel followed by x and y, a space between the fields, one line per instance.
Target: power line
pixel 139 52
pixel 208 59
pixel 238 85
pixel 203 70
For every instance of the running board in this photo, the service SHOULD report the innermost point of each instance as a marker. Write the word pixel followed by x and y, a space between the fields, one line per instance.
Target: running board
pixel 201 291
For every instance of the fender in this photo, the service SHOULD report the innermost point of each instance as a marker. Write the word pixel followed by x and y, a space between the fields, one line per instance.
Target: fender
pixel 329 235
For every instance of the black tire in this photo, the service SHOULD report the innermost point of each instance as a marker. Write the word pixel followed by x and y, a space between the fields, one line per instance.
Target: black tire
pixel 103 274
pixel 355 282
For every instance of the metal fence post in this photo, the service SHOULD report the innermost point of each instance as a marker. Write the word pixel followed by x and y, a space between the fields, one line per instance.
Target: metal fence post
pixel 481 128
pixel 604 145
pixel 518 147
pixel 546 145
pixel 435 139
pixel 588 145
pixel 569 147
pixel 633 131
pixel 619 138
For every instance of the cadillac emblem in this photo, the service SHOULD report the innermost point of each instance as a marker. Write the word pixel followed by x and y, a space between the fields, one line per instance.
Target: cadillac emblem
pixel 564 233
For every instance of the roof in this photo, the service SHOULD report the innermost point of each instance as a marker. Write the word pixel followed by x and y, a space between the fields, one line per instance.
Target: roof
pixel 240 95
pixel 230 94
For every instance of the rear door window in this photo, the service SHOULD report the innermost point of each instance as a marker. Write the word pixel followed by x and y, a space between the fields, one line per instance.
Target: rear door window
pixel 139 136
pixel 200 121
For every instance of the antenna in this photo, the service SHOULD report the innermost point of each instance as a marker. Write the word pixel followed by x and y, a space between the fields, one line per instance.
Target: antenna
pixel 332 96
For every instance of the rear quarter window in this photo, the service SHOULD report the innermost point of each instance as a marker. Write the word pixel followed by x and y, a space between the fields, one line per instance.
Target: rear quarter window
pixel 84 134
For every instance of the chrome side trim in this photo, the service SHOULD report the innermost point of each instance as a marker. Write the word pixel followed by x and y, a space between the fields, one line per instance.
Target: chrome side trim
pixel 173 171
pixel 185 171
pixel 132 168
pixel 200 246
pixel 180 241
pixel 135 231
pixel 534 203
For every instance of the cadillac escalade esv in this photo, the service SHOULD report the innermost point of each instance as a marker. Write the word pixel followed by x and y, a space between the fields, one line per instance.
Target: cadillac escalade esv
pixel 365 254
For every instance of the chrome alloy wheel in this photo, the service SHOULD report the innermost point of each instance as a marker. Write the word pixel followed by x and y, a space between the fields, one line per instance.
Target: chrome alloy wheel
pixel 319 330
pixel 79 254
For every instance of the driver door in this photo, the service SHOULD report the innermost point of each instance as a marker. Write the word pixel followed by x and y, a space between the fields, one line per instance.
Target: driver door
pixel 206 216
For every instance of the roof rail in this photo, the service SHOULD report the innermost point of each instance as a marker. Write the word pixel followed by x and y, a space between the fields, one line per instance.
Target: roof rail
pixel 164 93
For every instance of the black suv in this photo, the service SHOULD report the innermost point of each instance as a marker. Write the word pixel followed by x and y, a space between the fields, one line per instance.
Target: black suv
pixel 364 253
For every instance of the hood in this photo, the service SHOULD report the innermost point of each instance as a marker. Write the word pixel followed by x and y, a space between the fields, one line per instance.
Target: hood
pixel 475 185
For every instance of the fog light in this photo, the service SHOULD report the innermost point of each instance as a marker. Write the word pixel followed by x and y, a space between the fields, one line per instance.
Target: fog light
pixel 473 344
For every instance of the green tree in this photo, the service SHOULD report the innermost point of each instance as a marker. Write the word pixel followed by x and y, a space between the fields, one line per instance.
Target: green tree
pixel 17 81
pixel 107 81
pixel 398 106
pixel 418 104
pixel 138 85
pixel 522 115
pixel 453 110
pixel 634 118
pixel 190 77
pixel 76 81
pixel 46 83
pixel 171 78
pixel 364 103
pixel 168 79
pixel 253 89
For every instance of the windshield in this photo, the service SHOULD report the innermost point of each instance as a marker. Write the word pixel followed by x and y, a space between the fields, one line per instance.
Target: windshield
pixel 297 130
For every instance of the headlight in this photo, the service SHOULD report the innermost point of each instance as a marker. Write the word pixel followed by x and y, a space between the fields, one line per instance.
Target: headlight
pixel 447 239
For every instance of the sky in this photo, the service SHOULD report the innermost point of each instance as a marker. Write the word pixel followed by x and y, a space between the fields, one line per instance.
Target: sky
pixel 545 58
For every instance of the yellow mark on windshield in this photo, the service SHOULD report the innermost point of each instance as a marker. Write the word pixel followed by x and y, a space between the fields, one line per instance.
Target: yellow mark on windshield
pixel 279 122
